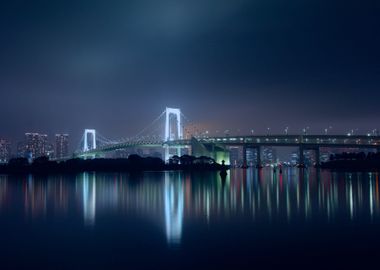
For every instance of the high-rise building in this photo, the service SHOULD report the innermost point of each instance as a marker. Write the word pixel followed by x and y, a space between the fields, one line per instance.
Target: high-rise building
pixel 50 150
pixel 61 145
pixel 309 158
pixel 325 156
pixel 269 155
pixel 5 151
pixel 251 157
pixel 21 149
pixel 235 157
pixel 294 158
pixel 35 145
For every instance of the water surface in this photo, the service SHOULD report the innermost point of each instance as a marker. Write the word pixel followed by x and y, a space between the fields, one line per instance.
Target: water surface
pixel 160 220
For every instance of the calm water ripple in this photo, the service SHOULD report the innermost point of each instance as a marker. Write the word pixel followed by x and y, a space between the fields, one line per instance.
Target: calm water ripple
pixel 174 219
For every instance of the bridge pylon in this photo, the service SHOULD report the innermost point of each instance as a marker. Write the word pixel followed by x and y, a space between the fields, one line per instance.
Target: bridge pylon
pixel 172 131
pixel 89 140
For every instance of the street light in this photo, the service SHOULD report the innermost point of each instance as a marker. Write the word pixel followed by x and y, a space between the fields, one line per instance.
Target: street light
pixel 352 132
pixel 327 129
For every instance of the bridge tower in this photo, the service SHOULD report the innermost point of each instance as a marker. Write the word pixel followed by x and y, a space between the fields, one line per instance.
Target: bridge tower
pixel 89 134
pixel 170 135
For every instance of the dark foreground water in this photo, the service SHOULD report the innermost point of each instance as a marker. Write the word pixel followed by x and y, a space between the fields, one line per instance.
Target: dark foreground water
pixel 173 220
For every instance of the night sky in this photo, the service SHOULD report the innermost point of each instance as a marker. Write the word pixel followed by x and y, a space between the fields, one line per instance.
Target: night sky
pixel 228 64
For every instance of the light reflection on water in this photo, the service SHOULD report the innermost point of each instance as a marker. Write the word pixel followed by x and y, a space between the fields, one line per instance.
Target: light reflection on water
pixel 172 199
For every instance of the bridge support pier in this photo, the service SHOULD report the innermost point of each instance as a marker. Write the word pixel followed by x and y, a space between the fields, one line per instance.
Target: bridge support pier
pixel 167 155
pixel 258 157
pixel 167 151
pixel 317 157
pixel 245 165
pixel 301 157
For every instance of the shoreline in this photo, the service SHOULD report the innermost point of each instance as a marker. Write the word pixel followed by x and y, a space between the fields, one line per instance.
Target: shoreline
pixel 132 164
pixel 352 165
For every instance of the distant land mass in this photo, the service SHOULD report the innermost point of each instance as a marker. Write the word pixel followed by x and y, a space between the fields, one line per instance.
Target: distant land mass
pixel 43 165
pixel 353 162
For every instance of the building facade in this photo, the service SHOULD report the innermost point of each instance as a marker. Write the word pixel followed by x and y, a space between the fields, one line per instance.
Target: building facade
pixel 61 145
pixel 5 151
pixel 35 145
pixel 268 155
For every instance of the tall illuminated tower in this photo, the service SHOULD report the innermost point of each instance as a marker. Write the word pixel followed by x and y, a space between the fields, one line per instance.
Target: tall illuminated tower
pixel 61 145
pixel 89 144
pixel 172 130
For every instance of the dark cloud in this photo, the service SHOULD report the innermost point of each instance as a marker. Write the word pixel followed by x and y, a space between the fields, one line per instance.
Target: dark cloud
pixel 67 65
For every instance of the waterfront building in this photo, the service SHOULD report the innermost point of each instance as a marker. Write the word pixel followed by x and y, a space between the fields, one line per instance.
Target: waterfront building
pixel 5 151
pixel 61 145
pixel 294 158
pixel 35 145
pixel 269 155
pixel 251 157
pixel 235 156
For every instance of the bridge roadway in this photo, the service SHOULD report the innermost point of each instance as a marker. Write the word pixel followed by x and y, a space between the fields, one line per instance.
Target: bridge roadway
pixel 337 141
pixel 303 142
pixel 118 146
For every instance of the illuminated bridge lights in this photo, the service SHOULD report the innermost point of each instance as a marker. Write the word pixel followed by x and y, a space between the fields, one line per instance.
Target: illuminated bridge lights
pixel 174 132
pixel 86 146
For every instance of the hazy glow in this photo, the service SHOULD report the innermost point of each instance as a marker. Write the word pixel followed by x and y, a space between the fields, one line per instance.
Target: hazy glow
pixel 174 204
pixel 89 198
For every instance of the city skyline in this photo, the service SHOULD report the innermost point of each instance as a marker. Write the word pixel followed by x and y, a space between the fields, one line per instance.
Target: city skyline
pixel 176 141
pixel 189 134
pixel 35 145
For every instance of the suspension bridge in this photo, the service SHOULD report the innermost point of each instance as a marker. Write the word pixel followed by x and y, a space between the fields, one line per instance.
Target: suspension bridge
pixel 168 130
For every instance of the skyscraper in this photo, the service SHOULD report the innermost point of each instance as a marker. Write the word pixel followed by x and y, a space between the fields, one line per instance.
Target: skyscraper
pixel 269 155
pixel 61 145
pixel 21 149
pixel 35 145
pixel 5 151
pixel 251 157
pixel 236 158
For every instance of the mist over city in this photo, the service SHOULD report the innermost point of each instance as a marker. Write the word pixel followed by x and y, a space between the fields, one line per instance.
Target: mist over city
pixel 173 134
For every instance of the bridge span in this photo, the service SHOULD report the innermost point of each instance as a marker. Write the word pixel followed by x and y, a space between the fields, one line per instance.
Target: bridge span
pixel 303 142
pixel 173 138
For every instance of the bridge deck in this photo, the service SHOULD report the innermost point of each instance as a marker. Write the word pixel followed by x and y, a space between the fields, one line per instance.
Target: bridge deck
pixel 305 141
